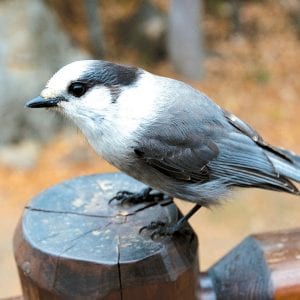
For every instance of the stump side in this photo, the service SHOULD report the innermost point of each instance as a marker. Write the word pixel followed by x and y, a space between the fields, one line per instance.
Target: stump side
pixel 71 244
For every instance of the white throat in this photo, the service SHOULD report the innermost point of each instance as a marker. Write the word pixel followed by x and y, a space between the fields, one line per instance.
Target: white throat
pixel 112 130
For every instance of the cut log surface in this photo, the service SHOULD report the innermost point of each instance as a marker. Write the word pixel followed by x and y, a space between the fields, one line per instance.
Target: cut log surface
pixel 72 244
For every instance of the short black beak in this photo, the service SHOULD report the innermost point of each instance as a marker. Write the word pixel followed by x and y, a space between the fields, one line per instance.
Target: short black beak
pixel 42 102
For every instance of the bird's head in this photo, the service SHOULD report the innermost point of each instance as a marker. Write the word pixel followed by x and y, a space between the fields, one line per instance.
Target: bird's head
pixel 83 87
pixel 107 101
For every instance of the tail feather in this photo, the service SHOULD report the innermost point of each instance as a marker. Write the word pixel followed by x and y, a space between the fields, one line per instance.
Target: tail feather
pixel 293 157
pixel 242 163
pixel 286 164
pixel 290 170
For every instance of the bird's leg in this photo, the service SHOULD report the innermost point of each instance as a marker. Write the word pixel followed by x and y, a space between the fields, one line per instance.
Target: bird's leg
pixel 146 195
pixel 162 229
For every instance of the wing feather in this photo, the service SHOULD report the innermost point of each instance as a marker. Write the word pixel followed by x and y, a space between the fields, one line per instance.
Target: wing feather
pixel 203 150
pixel 183 159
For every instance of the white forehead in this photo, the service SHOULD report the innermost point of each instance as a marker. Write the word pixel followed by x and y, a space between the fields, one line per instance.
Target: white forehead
pixel 59 82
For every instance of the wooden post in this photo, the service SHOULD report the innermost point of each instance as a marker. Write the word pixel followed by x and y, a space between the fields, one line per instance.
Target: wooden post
pixel 263 266
pixel 71 244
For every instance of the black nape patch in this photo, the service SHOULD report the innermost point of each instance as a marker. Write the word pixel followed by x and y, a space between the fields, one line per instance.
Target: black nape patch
pixel 109 74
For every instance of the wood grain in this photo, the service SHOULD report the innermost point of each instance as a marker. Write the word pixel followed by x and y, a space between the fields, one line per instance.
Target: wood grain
pixel 263 266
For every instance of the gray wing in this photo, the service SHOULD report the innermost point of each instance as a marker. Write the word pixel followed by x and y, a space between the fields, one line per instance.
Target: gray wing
pixel 202 150
pixel 254 135
pixel 183 157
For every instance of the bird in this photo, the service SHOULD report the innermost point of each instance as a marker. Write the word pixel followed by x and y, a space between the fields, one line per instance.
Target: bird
pixel 166 134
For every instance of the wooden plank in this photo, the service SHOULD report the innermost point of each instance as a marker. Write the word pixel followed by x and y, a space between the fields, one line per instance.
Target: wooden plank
pixel 263 266
pixel 282 254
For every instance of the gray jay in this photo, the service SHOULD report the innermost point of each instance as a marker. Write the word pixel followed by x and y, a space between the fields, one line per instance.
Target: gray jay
pixel 166 134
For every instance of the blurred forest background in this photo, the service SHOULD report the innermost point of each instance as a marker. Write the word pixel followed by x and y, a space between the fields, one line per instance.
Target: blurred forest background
pixel 244 54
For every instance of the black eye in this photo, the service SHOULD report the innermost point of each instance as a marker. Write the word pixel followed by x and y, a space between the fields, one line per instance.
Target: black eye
pixel 77 89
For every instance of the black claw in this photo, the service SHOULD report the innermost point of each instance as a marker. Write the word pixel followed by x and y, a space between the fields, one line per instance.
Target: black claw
pixel 160 229
pixel 154 235
pixel 152 226
pixel 146 195
pixel 163 229
pixel 121 196
pixel 142 228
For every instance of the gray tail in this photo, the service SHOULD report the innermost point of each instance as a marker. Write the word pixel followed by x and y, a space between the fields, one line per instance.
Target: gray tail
pixel 264 167
pixel 286 163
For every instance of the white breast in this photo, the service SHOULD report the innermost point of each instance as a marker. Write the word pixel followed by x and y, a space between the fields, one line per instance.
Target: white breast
pixel 114 136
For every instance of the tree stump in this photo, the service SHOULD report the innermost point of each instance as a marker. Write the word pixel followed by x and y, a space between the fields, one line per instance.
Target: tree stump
pixel 72 244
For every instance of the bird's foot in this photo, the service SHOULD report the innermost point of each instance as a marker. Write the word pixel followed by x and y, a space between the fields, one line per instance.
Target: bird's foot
pixel 146 195
pixel 161 229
